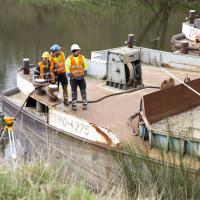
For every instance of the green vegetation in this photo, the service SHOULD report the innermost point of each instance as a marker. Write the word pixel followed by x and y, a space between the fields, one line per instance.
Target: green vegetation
pixel 40 181
pixel 110 3
pixel 145 179
pixel 140 179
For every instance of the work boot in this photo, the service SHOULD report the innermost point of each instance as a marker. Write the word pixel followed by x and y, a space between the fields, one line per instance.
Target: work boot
pixel 66 102
pixel 65 95
pixel 84 106
pixel 84 99
pixel 74 108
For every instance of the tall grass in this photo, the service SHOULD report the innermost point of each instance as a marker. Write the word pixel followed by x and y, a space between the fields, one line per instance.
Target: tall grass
pixel 39 180
pixel 145 179
pixel 141 179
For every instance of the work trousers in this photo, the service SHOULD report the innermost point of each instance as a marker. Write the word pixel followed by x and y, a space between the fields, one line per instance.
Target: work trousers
pixel 62 78
pixel 82 85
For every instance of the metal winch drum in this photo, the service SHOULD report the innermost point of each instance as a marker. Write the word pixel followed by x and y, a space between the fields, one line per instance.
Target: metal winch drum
pixel 53 92
pixel 124 68
pixel 41 90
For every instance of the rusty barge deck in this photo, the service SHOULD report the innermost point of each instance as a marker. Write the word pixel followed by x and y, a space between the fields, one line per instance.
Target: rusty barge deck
pixel 85 138
pixel 115 111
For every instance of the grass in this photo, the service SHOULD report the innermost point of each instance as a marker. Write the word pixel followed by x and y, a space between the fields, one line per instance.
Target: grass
pixel 40 181
pixel 140 178
pixel 145 179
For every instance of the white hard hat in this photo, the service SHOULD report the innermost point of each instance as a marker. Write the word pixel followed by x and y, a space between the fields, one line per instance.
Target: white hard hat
pixel 75 47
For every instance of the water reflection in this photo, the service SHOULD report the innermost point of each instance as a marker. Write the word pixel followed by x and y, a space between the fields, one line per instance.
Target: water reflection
pixel 26 31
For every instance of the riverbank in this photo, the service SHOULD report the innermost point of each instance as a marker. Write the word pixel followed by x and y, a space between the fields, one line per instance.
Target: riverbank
pixel 39 181
pixel 142 179
pixel 47 181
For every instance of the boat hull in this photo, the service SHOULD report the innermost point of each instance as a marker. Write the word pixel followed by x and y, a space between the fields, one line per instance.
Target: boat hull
pixel 93 163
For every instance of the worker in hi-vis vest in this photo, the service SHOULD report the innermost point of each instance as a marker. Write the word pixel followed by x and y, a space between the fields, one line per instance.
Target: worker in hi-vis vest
pixel 76 68
pixel 45 69
pixel 58 58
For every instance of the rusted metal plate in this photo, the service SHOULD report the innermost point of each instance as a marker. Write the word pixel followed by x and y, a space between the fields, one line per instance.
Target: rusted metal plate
pixel 164 103
pixel 44 100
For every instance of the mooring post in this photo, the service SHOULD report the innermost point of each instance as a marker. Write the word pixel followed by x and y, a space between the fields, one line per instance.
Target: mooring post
pixel 40 107
pixel 192 16
pixel 26 64
pixel 184 47
pixel 130 41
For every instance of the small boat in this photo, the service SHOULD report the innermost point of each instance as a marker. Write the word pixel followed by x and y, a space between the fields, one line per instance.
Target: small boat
pixel 117 81
pixel 188 41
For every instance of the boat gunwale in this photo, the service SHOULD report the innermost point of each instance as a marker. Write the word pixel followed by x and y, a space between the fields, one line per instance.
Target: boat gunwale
pixel 99 145
pixel 15 90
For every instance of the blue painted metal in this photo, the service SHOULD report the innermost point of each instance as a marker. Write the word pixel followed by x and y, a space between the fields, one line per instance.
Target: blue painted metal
pixel 170 142
pixel 159 141
pixel 143 131
pixel 193 148
pixel 177 145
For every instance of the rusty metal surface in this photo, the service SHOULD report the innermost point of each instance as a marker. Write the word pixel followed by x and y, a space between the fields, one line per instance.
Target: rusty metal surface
pixel 171 101
pixel 105 136
pixel 114 112
pixel 176 46
pixel 45 100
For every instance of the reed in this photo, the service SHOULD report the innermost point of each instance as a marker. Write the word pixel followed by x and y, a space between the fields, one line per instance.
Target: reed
pixel 140 178
pixel 145 179
pixel 41 180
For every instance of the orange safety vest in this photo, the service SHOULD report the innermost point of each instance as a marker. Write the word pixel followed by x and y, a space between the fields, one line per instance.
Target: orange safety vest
pixel 77 69
pixel 51 68
pixel 59 63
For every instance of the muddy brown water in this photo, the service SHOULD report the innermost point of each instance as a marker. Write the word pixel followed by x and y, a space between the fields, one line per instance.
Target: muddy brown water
pixel 26 30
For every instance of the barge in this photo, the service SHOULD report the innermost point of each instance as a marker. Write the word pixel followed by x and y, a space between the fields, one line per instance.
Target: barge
pixel 85 139
pixel 188 41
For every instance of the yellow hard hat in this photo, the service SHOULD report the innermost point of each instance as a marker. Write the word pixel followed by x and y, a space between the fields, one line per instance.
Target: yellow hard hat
pixel 46 54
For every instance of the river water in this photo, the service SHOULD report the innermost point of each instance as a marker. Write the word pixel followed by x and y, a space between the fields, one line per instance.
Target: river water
pixel 26 30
